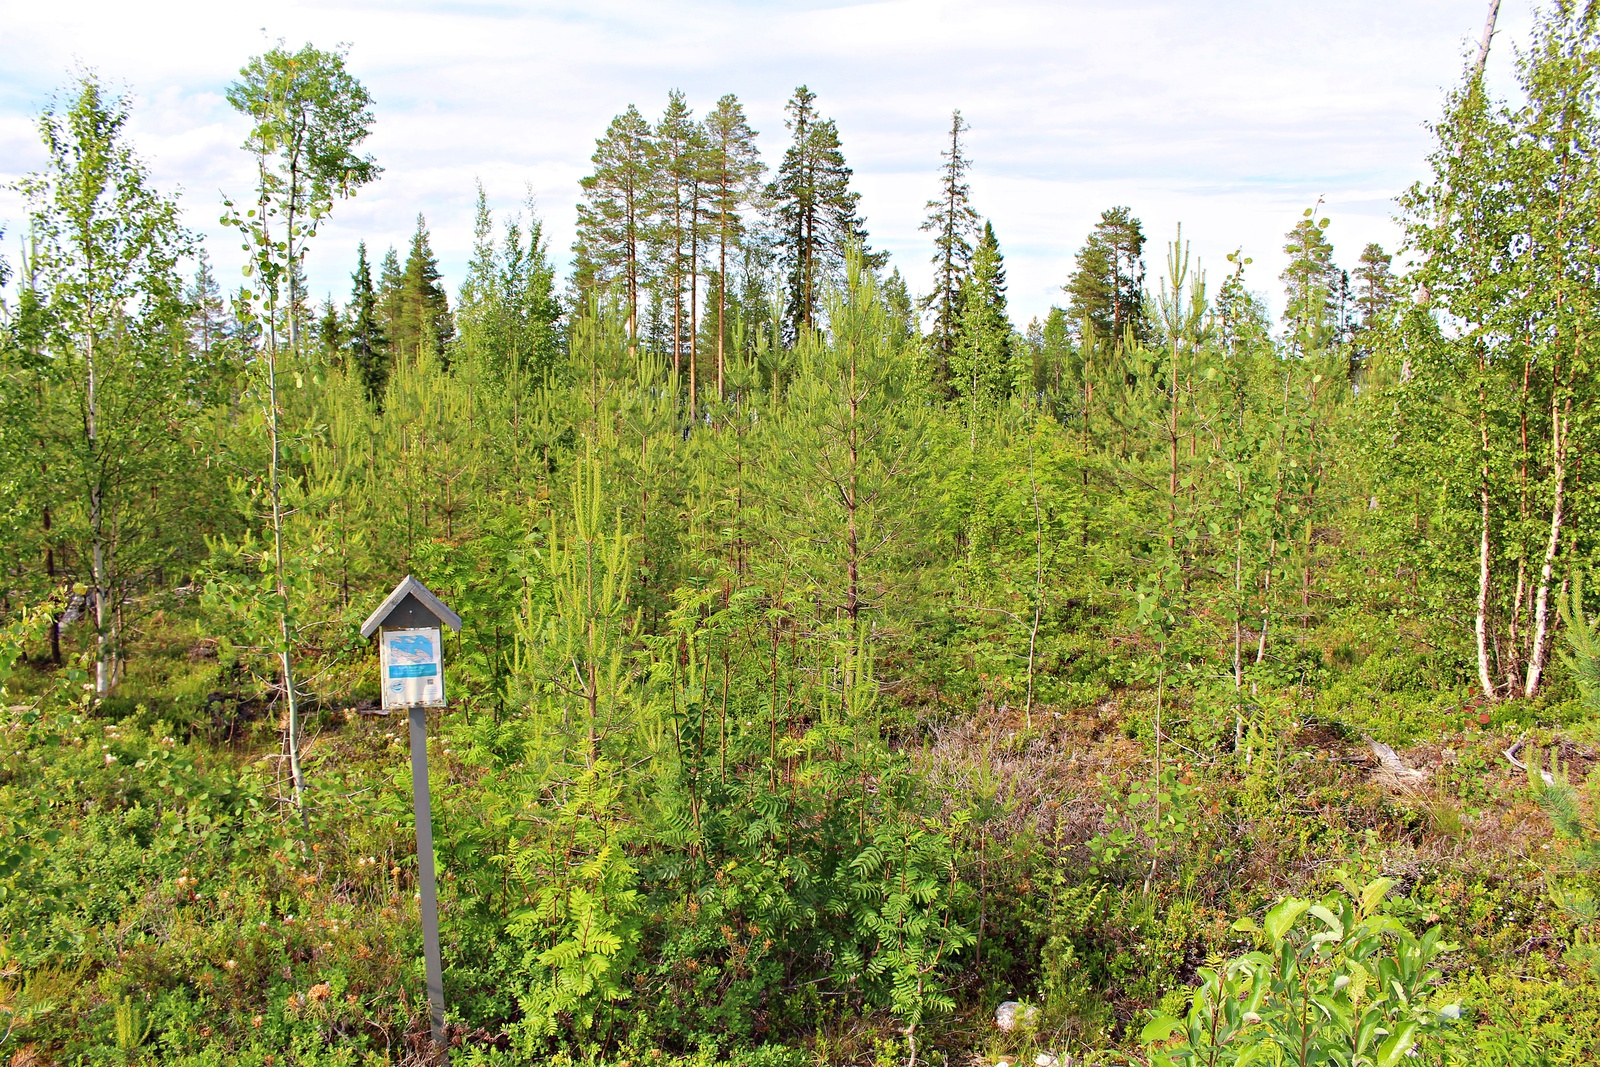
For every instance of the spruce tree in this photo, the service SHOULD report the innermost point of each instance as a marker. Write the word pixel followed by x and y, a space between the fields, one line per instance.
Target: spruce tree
pixel 369 348
pixel 331 332
pixel 953 222
pixel 1106 289
pixel 527 286
pixel 614 219
pixel 984 367
pixel 902 309
pixel 814 212
pixel 423 323
pixel 391 283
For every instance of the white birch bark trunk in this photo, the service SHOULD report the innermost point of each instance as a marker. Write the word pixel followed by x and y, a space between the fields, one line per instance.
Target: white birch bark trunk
pixel 1541 609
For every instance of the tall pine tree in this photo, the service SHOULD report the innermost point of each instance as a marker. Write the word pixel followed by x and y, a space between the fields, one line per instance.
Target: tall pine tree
pixel 614 218
pixel 1377 288
pixel 680 173
pixel 1376 293
pixel 207 310
pixel 1311 285
pixel 735 170
pixel 1106 290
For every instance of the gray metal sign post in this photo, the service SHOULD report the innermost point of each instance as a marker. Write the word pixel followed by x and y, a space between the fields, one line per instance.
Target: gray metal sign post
pixel 411 654
pixel 425 878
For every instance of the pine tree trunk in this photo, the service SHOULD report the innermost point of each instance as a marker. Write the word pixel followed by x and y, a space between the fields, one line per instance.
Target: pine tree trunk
pixel 1172 444
pixel 677 292
pixel 694 299
pixel 632 254
pixel 722 304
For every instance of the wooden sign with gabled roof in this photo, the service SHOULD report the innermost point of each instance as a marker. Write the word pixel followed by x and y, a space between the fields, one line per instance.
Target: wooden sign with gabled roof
pixel 412 605
pixel 409 624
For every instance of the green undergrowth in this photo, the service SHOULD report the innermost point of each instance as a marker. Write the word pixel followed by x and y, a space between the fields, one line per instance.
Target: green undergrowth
pixel 161 903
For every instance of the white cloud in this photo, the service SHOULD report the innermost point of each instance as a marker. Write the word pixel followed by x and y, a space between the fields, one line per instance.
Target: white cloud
pixel 1229 117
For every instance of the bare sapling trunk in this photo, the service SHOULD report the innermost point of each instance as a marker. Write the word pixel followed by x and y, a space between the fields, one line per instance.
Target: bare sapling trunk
pixel 1488 36
pixel 1038 586
pixel 1238 606
pixel 852 502
pixel 1481 627
pixel 286 665
pixel 103 641
pixel 275 492
pixel 1266 600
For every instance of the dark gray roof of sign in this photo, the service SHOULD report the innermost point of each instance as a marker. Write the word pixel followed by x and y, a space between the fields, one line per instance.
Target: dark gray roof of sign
pixel 410 586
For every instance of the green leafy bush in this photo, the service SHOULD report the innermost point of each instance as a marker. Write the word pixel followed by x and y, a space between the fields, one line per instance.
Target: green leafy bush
pixel 1337 982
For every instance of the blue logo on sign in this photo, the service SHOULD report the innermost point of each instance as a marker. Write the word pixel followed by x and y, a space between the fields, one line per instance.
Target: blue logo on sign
pixel 412 670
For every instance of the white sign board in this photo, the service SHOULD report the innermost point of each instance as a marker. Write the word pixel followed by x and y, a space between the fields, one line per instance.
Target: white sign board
pixel 413 668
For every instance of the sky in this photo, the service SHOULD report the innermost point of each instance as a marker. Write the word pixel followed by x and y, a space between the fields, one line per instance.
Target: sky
pixel 1229 117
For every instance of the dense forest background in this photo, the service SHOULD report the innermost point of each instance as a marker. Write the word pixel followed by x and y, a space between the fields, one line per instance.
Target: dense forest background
pixel 840 661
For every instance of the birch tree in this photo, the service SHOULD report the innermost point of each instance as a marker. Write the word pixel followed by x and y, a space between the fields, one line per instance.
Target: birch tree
pixel 105 261
pixel 308 115
pixel 1508 228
